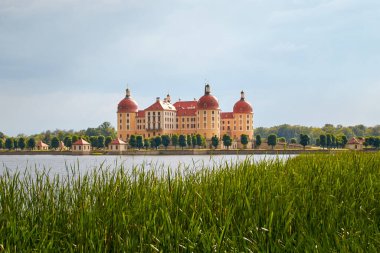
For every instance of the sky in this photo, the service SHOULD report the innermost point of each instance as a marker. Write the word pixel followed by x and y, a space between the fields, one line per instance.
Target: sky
pixel 65 64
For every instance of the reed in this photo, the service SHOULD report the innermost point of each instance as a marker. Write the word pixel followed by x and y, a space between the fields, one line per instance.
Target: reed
pixel 310 203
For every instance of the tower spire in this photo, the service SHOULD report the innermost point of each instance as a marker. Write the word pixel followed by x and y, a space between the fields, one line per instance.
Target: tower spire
pixel 128 92
pixel 242 95
pixel 207 89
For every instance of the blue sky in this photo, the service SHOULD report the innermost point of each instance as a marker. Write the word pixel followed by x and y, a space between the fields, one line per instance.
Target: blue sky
pixel 65 64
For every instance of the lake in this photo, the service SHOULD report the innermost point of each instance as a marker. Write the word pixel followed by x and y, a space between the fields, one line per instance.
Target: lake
pixel 61 164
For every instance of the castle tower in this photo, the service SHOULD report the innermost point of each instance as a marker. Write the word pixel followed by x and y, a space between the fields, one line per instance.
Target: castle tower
pixel 126 117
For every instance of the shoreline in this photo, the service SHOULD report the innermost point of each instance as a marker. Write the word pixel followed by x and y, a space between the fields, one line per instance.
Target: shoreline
pixel 179 152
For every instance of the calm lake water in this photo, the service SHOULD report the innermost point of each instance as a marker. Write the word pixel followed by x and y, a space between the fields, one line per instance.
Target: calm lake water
pixel 61 165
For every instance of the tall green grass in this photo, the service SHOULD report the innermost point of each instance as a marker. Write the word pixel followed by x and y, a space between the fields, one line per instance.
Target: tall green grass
pixel 313 203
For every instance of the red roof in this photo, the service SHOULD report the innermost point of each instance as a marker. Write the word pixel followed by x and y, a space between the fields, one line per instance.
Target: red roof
pixel 186 108
pixel 41 144
pixel 118 142
pixel 208 102
pixel 81 142
pixel 127 105
pixel 355 141
pixel 243 106
pixel 141 114
pixel 227 115
pixel 161 106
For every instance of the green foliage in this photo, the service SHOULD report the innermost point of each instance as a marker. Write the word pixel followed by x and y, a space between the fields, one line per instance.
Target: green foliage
pixel 227 141
pixel 215 141
pixel 94 141
pixel 146 143
pixel 188 140
pixel 2 136
pixel 258 141
pixel 132 141
pixel 244 140
pixel 75 138
pixel 304 140
pixel 55 142
pixel 108 141
pixel 272 140
pixel 1 143
pixel 323 140
pixel 281 140
pixel 200 141
pixel 15 143
pixel 313 203
pixel 139 141
pixel 68 142
pixel 101 141
pixel 182 141
pixel 175 140
pixel 293 141
pixel 157 141
pixel 31 144
pixel 21 143
pixel 194 141
pixel 165 140
pixel 328 141
pixel 9 143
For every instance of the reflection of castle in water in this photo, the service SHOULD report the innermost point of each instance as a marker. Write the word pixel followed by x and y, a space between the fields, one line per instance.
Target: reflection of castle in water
pixel 202 117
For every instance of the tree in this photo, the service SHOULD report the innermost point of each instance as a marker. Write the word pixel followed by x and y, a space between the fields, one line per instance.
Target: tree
pixel 101 141
pixel 132 141
pixel 175 140
pixel 2 136
pixel 188 140
pixel 158 141
pixel 227 141
pixel 75 138
pixel 94 141
pixel 194 141
pixel 293 141
pixel 31 144
pixel 328 140
pixel 182 141
pixel 139 141
pixel 258 141
pixel 21 143
pixel 152 142
pixel 146 143
pixel 55 142
pixel 68 141
pixel 9 143
pixel 376 143
pixel 304 140
pixel 165 141
pixel 272 140
pixel 344 140
pixel 323 140
pixel 1 143
pixel 15 143
pixel 281 140
pixel 215 141
pixel 244 140
pixel 318 142
pixel 108 141
pixel 199 140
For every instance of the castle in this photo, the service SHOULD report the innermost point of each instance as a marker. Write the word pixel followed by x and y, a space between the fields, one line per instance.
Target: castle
pixel 202 116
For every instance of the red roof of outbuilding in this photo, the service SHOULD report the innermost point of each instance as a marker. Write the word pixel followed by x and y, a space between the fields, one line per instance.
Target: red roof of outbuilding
pixel 354 140
pixel 81 142
pixel 227 115
pixel 118 142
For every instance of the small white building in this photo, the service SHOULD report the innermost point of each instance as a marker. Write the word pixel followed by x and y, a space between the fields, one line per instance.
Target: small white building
pixel 81 146
pixel 355 144
pixel 117 146
pixel 42 146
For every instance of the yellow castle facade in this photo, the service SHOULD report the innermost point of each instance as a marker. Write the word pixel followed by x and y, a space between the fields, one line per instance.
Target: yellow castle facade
pixel 202 116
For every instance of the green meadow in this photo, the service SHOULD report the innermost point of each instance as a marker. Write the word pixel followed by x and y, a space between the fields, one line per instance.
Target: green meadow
pixel 310 203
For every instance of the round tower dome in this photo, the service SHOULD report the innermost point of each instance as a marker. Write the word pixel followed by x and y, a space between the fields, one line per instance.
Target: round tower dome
pixel 242 106
pixel 128 104
pixel 208 101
